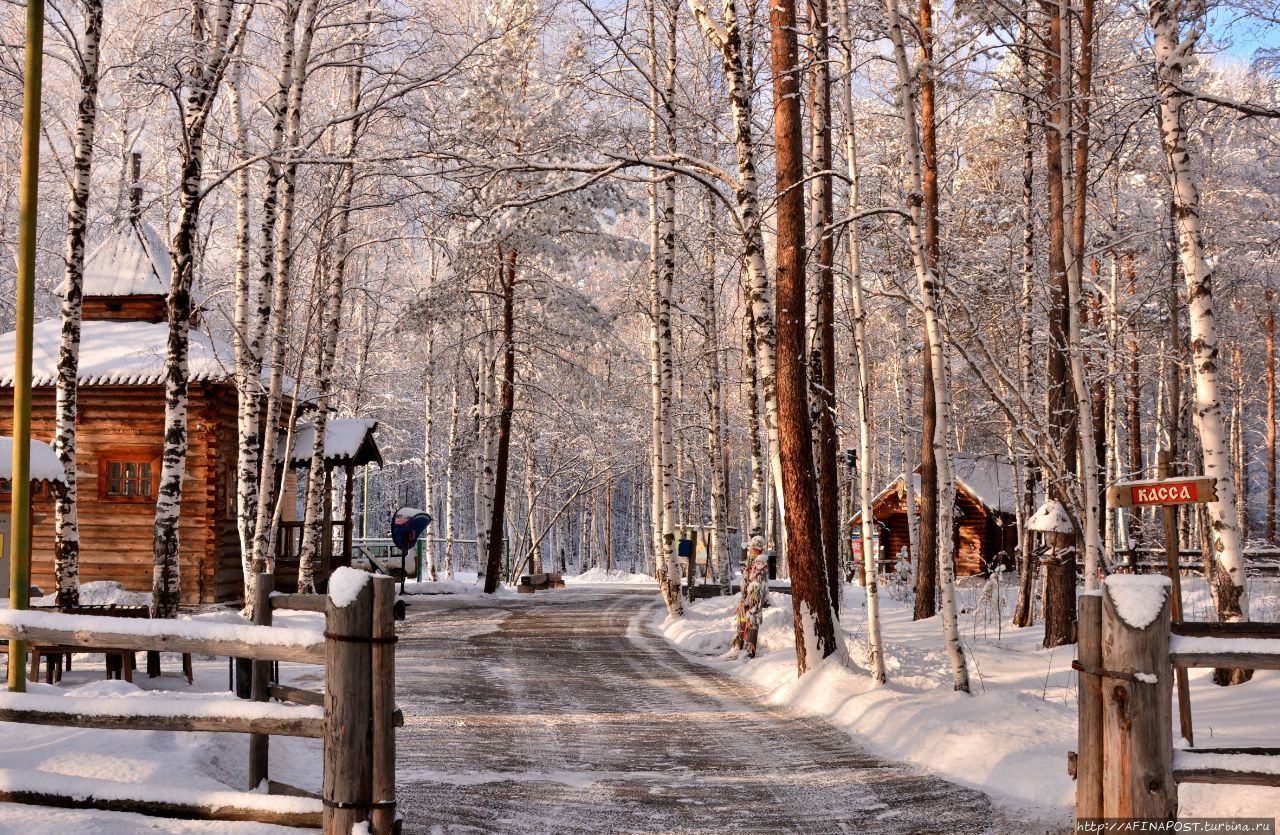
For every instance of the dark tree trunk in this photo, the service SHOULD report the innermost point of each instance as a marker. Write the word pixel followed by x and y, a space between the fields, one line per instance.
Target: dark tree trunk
pixel 506 405
pixel 927 563
pixel 814 619
pixel 823 359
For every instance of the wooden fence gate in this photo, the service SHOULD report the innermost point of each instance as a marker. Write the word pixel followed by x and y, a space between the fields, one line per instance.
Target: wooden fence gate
pixel 1126 766
pixel 355 716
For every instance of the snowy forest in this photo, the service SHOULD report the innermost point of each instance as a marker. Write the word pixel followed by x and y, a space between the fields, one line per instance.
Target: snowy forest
pixel 606 270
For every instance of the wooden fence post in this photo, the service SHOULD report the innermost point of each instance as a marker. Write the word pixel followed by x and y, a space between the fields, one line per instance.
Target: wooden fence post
pixel 261 682
pixel 384 705
pixel 1137 699
pixel 1089 739
pixel 348 712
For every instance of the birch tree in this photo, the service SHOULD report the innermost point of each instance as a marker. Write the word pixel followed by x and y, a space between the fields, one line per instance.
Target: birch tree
pixel 217 34
pixel 1175 51
pixel 66 517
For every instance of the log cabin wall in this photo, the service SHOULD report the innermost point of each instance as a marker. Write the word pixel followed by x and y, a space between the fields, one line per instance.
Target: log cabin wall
pixel 979 537
pixel 116 533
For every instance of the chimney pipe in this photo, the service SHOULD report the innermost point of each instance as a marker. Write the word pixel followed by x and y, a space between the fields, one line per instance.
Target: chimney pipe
pixel 135 190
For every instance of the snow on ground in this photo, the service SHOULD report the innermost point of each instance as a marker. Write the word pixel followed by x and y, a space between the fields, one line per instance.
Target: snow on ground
pixel 100 593
pixel 187 762
pixel 1011 737
pixel 598 576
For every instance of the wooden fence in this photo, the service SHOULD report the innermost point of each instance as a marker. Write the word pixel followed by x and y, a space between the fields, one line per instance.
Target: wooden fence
pixel 1126 765
pixel 355 716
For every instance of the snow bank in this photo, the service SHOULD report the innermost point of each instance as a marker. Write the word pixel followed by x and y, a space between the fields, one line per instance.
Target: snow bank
pixel 1138 598
pixel 598 576
pixel 345 585
pixel 1248 646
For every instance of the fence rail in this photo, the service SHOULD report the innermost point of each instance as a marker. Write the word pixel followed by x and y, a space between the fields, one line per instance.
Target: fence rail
pixel 356 716
pixel 1126 766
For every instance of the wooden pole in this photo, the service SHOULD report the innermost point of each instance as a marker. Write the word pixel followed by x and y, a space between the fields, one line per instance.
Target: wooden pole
pixel 1137 749
pixel 384 705
pixel 1089 741
pixel 348 712
pixel 261 682
pixel 20 478
pixel 1172 559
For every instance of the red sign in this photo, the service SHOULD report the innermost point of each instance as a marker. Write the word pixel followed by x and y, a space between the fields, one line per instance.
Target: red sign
pixel 1169 491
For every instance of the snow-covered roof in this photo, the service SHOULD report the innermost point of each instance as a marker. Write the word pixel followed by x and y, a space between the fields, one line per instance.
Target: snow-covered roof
pixel 132 261
pixel 346 441
pixel 45 465
pixel 117 353
pixel 1051 518
pixel 988 478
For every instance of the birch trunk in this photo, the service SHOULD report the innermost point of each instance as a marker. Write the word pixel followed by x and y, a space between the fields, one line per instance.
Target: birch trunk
pixel 1173 52
pixel 218 43
pixel 726 37
pixel 250 330
pixel 930 297
pixel 428 481
pixel 315 528
pixel 293 76
pixel 717 462
pixel 862 366
pixel 66 519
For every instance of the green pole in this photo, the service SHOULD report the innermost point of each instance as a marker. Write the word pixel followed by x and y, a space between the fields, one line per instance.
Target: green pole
pixel 364 514
pixel 20 481
pixel 419 577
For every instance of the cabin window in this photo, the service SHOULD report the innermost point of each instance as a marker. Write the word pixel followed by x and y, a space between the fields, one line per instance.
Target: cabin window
pixel 127 477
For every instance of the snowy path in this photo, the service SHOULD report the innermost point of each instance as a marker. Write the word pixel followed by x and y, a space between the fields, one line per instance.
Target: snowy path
pixel 567 713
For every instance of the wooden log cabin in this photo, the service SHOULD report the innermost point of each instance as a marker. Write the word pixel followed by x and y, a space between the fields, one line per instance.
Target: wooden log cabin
pixel 985 532
pixel 120 425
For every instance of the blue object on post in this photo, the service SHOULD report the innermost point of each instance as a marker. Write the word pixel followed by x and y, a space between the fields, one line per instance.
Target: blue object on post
pixel 407 524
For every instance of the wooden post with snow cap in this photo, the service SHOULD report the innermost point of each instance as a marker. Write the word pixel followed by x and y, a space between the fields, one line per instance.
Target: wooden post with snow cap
pixel 384 705
pixel 1137 683
pixel 348 703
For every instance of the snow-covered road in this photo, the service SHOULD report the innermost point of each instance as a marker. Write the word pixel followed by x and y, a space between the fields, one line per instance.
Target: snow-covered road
pixel 564 712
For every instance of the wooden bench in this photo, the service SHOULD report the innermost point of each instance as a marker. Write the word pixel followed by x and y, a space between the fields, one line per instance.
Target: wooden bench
pixel 118 664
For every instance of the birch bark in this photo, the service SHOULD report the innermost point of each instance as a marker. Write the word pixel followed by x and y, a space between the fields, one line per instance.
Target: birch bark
pixel 1174 51
pixel 66 519
pixel 930 297
pixel 218 43
pixel 862 366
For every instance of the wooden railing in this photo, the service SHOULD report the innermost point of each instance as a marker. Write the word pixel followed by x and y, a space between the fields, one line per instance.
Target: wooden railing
pixel 1126 766
pixel 355 716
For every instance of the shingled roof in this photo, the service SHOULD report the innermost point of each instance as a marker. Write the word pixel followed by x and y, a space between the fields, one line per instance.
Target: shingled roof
pixel 132 261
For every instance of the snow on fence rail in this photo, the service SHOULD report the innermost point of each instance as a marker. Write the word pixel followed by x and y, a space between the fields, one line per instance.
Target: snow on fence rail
pixel 1125 766
pixel 355 716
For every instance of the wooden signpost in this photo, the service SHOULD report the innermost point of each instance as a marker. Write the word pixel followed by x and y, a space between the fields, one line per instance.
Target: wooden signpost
pixel 1167 493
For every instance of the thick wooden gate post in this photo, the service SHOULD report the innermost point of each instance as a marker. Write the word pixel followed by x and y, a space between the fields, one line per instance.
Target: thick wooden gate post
pixel 348 712
pixel 1137 699
pixel 1089 741
pixel 260 682
pixel 384 705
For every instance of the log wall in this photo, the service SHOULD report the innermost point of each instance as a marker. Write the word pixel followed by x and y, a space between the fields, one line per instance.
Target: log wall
pixel 116 535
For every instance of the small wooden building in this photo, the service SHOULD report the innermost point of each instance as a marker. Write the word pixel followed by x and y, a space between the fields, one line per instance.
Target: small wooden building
pixel 120 427
pixel 985 532
pixel 348 443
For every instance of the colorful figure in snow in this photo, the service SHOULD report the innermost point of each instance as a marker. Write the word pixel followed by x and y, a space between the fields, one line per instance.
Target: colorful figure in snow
pixel 755 593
